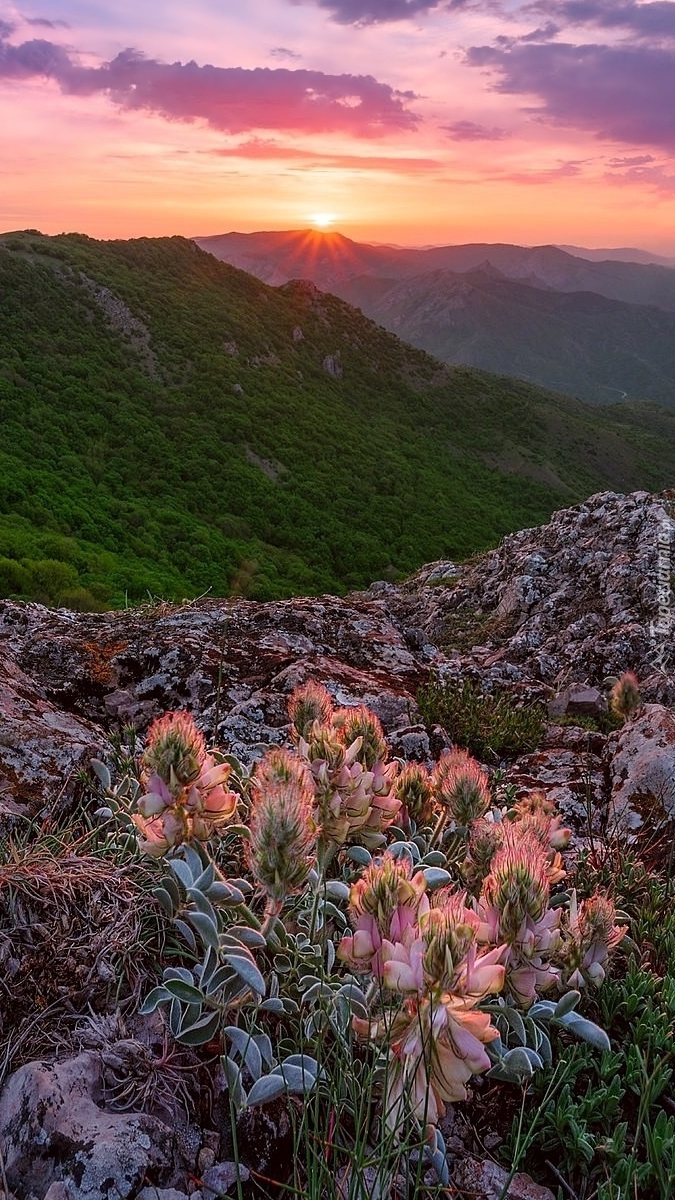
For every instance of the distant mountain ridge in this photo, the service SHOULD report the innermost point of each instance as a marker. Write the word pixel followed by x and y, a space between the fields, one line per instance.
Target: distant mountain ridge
pixel 620 343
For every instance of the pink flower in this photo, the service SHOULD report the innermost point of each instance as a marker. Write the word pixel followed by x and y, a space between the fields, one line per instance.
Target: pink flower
pixel 460 784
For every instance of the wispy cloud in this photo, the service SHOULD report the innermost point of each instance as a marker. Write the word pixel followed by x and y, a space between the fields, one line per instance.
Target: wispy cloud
pixel 283 52
pixel 231 99
pixel 472 131
pixel 45 23
pixel 262 148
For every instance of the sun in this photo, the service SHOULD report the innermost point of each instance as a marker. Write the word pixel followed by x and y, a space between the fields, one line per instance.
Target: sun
pixel 323 220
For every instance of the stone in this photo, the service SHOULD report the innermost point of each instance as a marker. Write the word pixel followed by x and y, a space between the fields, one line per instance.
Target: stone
pixel 642 766
pixel 53 1132
pixel 485 1180
pixel 220 1178
pixel 578 700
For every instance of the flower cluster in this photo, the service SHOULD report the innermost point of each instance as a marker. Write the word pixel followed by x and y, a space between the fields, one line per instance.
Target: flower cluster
pixel 591 933
pixel 413 789
pixel 425 954
pixel 282 845
pixel 624 697
pixel 460 785
pixel 514 908
pixel 354 783
pixel 184 787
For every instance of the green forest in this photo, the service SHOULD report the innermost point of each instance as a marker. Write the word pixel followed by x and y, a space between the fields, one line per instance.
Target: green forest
pixel 172 426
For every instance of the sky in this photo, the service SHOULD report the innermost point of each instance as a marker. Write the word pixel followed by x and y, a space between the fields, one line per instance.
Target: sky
pixel 414 122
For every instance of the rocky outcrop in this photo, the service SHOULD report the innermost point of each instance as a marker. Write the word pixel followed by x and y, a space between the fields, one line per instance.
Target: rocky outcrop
pixel 547 615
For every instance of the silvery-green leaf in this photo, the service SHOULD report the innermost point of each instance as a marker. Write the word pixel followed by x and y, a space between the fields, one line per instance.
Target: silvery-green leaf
pixel 233 1078
pixel 264 1045
pixel 181 871
pixel 335 889
pixel 360 856
pixel 297 1079
pixel 164 899
pixel 242 885
pixel 218 980
pixel 187 933
pixel 186 992
pixel 316 991
pixel 588 1031
pixel 269 1087
pixel 193 860
pixel 515 1022
pixel 247 970
pixel 202 904
pixel 435 858
pixel 544 1049
pixel 99 768
pixel 274 1005
pixel 157 996
pixel 179 973
pixel 401 850
pixel 517 1062
pixel 205 928
pixel 246 1048
pixel 243 935
pixel 566 1004
pixel 282 964
pixel 175 1017
pixel 543 1010
pixel 204 881
pixel 329 910
pixel 330 956
pixel 169 884
pixel 201 1032
pixel 436 877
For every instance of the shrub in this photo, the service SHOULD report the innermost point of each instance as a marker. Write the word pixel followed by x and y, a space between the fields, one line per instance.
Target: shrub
pixel 488 724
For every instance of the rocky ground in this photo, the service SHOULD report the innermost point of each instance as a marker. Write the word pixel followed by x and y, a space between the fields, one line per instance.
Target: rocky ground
pixel 549 615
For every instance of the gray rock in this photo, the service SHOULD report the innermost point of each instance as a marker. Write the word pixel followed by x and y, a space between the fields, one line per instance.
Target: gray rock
pixel 642 765
pixel 486 1181
pixel 222 1177
pixel 53 1135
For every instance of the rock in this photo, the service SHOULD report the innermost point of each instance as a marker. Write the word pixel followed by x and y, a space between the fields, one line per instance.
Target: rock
pixel 220 1178
pixel 154 1193
pixel 53 1134
pixel 486 1181
pixel 332 365
pixel 578 700
pixel 642 766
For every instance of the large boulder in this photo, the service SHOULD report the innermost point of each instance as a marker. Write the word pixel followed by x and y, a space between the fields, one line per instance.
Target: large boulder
pixel 53 1130
pixel 642 767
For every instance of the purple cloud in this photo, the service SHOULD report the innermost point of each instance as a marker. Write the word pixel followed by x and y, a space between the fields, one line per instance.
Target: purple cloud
pixel 44 23
pixel 283 52
pixel 638 160
pixel 231 99
pixel 6 29
pixel 654 20
pixel 377 12
pixel 621 93
pixel 471 131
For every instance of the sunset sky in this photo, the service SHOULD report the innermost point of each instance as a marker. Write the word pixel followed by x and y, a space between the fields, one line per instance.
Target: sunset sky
pixel 406 121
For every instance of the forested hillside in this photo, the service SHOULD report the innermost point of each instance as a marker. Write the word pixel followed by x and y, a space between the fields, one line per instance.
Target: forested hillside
pixel 172 425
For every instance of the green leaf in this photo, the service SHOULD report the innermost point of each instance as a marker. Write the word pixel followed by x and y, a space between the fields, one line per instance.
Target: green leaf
pixel 566 1004
pixel 205 928
pixel 99 768
pixel 247 970
pixel 335 889
pixel 359 855
pixel 187 933
pixel 186 992
pixel 274 1005
pixel 436 877
pixel 588 1031
pixel 268 1088
pixel 164 899
pixel 181 871
pixel 157 996
pixel 201 1032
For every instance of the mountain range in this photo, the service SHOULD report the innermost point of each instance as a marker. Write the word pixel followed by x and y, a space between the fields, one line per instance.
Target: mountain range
pixel 599 330
pixel 172 426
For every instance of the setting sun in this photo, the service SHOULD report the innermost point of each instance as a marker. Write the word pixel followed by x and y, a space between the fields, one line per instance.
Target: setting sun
pixel 323 220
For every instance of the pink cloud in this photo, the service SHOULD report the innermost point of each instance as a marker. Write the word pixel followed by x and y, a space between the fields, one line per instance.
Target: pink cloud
pixel 259 148
pixel 231 99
